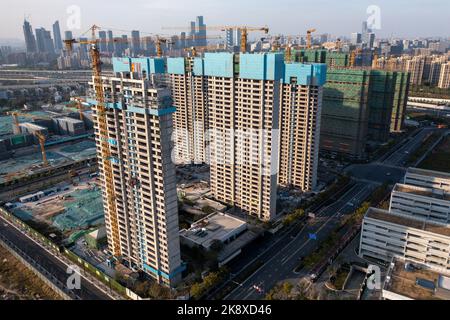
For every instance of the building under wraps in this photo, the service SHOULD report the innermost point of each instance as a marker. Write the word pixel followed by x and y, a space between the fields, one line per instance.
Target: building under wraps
pixel 262 117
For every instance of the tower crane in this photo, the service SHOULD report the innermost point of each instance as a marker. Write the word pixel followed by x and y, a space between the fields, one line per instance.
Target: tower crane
pixel 338 44
pixel 79 105
pixel 244 32
pixel 244 35
pixel 276 43
pixel 105 152
pixel 353 55
pixel 288 53
pixel 159 41
pixel 42 139
pixel 309 37
pixel 15 115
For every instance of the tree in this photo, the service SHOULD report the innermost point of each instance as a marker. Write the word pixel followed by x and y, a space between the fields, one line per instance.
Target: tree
pixel 197 290
pixel 141 288
pixel 287 288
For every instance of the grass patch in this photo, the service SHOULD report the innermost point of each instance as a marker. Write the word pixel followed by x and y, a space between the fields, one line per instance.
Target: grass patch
pixel 424 147
pixel 17 282
pixel 439 158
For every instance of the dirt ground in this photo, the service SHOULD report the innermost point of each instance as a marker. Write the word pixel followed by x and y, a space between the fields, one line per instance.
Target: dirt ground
pixel 17 282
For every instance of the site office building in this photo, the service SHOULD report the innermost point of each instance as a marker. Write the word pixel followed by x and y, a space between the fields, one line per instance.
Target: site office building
pixel 262 116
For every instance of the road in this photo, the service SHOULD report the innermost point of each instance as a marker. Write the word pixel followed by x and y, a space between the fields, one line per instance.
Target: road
pixel 280 267
pixel 49 262
pixel 399 157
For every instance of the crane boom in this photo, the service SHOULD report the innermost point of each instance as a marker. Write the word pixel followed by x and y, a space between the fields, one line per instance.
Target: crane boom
pixel 105 151
pixel 244 32
pixel 104 147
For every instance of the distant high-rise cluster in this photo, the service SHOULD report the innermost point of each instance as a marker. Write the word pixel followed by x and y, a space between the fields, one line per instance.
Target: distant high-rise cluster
pixel 43 41
pixel 365 39
pixel 432 70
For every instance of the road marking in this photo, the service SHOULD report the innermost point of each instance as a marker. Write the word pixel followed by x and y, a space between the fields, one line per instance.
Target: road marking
pixel 326 222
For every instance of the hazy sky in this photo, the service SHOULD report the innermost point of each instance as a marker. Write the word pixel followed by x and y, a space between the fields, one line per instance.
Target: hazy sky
pixel 402 18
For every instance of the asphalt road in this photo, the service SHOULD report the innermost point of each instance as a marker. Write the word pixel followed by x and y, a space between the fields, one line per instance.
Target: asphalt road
pixel 48 262
pixel 281 265
pixel 286 257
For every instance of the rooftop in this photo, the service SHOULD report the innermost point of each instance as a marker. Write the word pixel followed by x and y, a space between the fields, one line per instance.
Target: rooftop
pixel 216 226
pixel 32 126
pixel 99 233
pixel 421 191
pixel 429 173
pixel 72 120
pixel 394 218
pixel 416 281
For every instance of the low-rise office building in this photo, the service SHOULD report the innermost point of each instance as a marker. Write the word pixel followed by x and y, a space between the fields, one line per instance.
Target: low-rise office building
pixel 219 231
pixel 428 179
pixel 386 235
pixel 427 204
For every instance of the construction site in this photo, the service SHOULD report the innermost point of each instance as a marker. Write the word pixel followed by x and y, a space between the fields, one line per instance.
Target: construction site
pixel 48 166
pixel 71 206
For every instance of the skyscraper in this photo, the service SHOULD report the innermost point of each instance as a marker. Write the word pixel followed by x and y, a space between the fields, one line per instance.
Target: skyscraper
pixel 135 42
pixel 229 40
pixel 103 42
pixel 183 40
pixel 57 36
pixel 139 184
pixel 300 120
pixel 200 32
pixel 110 42
pixel 444 77
pixel 124 43
pixel 367 36
pixel 44 41
pixel 68 35
pixel 233 38
pixel 356 38
pixel 30 40
pixel 191 40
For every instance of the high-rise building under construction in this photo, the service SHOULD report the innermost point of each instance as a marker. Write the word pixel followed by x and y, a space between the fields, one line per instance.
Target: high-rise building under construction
pixel 138 175
pixel 263 117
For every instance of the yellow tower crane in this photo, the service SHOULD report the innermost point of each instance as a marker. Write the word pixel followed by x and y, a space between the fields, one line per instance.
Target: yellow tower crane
pixel 79 105
pixel 309 38
pixel 105 152
pixel 41 138
pixel 244 35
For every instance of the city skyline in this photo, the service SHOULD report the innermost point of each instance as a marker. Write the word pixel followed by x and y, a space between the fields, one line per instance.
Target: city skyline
pixel 340 20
